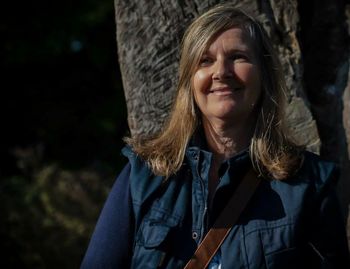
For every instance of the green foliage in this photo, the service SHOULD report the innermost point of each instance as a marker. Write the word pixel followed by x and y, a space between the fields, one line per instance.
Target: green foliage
pixel 50 221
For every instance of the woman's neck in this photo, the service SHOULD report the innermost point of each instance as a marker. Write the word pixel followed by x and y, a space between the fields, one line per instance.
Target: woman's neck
pixel 225 140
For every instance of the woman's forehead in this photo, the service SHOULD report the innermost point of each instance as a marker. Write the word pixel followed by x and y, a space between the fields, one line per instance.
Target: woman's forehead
pixel 232 39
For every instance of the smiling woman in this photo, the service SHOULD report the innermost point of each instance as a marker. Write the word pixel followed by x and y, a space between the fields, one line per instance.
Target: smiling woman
pixel 225 131
pixel 228 78
pixel 226 89
pixel 227 85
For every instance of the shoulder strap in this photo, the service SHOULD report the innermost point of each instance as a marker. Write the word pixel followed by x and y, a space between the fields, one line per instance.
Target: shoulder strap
pixel 222 226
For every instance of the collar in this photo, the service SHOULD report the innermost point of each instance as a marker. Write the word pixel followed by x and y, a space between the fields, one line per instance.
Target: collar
pixel 197 152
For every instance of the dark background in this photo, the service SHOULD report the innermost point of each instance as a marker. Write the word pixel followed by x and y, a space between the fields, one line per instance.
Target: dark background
pixel 63 117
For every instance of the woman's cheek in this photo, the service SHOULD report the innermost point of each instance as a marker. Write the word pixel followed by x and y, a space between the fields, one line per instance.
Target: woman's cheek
pixel 201 80
pixel 244 72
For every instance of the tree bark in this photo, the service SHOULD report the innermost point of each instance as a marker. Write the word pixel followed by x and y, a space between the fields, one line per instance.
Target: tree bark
pixel 310 37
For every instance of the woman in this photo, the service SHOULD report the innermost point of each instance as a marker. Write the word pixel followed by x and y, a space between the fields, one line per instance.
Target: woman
pixel 227 119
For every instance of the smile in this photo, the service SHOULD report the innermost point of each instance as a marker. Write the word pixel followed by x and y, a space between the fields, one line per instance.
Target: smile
pixel 225 90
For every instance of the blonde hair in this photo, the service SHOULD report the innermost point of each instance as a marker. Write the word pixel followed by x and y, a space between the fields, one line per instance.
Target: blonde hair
pixel 271 152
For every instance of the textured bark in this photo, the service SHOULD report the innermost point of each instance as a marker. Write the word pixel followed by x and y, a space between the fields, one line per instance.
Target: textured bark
pixel 310 37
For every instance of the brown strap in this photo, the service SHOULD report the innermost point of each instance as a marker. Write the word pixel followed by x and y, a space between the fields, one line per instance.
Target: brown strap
pixel 222 226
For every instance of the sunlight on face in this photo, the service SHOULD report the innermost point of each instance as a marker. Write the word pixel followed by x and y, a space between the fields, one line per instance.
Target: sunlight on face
pixel 226 83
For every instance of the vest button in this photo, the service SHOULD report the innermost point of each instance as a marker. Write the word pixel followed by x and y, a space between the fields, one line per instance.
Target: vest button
pixel 194 235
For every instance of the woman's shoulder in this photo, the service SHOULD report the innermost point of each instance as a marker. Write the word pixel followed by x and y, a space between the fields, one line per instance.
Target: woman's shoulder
pixel 315 180
pixel 142 180
pixel 315 159
pixel 129 153
pixel 317 171
pixel 138 165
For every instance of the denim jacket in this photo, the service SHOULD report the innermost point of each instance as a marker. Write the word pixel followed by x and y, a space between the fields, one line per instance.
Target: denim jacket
pixel 295 223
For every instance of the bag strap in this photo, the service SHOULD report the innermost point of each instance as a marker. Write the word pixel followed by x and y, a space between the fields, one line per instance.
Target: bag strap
pixel 223 224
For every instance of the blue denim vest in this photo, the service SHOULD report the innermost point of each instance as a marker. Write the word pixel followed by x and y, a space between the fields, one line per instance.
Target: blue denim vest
pixel 274 231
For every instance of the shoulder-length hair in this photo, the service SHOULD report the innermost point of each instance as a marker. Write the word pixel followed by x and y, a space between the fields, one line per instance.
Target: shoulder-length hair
pixel 272 153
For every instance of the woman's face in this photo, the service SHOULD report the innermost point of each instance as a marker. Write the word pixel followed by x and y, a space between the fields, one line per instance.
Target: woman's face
pixel 226 83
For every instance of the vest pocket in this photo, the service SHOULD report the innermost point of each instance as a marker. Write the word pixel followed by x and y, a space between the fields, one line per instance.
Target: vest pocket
pixel 289 258
pixel 153 235
pixel 153 240
pixel 155 228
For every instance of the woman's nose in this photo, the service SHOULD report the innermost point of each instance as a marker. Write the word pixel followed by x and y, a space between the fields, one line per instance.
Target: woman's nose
pixel 222 70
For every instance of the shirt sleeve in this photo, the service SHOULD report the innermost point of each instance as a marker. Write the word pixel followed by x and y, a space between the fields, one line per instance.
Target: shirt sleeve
pixel 111 241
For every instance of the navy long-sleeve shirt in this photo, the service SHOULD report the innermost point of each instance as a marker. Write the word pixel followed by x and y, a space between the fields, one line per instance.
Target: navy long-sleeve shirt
pixel 110 243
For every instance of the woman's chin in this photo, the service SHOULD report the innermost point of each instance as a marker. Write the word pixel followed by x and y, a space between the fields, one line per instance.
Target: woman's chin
pixel 226 111
pixel 229 114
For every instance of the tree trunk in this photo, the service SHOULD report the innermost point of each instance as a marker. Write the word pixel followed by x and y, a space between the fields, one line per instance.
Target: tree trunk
pixel 310 37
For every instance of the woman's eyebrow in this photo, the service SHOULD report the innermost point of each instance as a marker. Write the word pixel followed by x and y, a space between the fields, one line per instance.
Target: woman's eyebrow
pixel 206 54
pixel 240 48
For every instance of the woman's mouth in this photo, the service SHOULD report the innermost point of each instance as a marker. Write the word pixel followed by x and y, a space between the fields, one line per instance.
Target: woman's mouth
pixel 225 90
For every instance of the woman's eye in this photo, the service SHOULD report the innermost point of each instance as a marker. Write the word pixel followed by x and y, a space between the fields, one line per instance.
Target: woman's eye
pixel 205 61
pixel 239 58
